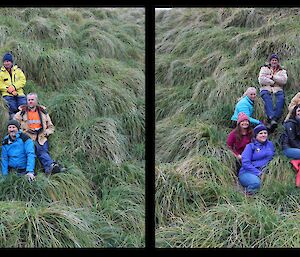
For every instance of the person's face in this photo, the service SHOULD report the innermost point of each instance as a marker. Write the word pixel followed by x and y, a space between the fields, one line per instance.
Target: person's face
pixel 31 101
pixel 12 131
pixel 274 62
pixel 252 95
pixel 298 112
pixel 244 124
pixel 262 136
pixel 7 64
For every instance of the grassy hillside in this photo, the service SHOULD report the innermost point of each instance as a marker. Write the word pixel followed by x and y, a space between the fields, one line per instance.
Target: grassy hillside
pixel 205 60
pixel 87 66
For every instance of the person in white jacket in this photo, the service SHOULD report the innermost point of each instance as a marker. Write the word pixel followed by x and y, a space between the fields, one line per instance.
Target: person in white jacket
pixel 272 77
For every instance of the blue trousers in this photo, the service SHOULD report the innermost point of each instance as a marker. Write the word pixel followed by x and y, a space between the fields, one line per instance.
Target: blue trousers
pixel 276 111
pixel 250 182
pixel 14 102
pixel 42 153
pixel 293 153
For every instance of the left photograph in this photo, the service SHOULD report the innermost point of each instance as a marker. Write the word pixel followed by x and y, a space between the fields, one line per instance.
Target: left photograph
pixel 72 127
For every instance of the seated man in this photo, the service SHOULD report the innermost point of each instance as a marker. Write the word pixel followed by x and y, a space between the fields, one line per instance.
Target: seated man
pixel 17 151
pixel 36 123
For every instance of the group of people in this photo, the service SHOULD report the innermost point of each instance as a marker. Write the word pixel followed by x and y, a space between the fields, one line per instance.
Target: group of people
pixel 28 127
pixel 249 141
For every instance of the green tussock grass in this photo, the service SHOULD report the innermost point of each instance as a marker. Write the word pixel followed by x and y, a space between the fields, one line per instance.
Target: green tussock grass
pixel 87 66
pixel 205 59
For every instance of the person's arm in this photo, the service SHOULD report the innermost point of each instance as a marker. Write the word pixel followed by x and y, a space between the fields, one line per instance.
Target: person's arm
pixel 4 161
pixel 30 154
pixel 247 160
pixel 264 78
pixel 280 77
pixel 49 126
pixel 21 81
pixel 230 143
pixel 245 109
pixel 290 130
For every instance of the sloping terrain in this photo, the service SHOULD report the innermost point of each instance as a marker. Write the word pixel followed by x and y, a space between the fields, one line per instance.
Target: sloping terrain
pixel 205 60
pixel 87 66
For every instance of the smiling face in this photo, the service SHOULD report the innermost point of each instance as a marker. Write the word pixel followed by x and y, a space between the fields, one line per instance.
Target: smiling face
pixel 7 64
pixel 298 112
pixel 274 62
pixel 262 136
pixel 252 95
pixel 12 131
pixel 244 124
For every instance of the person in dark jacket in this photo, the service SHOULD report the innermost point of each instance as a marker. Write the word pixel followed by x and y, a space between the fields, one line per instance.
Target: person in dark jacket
pixel 17 152
pixel 255 158
pixel 290 140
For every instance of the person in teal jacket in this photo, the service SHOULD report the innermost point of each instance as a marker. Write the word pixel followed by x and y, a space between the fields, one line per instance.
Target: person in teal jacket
pixel 17 151
pixel 245 105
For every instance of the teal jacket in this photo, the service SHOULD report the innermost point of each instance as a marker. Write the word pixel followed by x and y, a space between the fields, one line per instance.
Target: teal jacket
pixel 18 154
pixel 245 105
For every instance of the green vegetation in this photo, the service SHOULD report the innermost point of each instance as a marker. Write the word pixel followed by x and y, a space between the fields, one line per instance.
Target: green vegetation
pixel 87 66
pixel 205 59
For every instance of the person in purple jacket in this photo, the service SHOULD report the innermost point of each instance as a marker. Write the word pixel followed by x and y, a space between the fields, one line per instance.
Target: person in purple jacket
pixel 255 158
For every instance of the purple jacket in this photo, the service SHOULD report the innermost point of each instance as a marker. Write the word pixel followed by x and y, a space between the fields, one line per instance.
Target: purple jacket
pixel 256 156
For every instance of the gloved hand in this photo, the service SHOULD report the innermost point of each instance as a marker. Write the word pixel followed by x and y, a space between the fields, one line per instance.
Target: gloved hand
pixel 15 93
pixel 30 176
pixel 10 89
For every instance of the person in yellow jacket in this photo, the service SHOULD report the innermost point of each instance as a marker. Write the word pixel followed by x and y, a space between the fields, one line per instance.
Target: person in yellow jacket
pixel 12 82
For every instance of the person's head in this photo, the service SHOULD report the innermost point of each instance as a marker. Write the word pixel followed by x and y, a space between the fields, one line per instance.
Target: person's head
pixel 274 60
pixel 296 112
pixel 13 127
pixel 32 100
pixel 251 93
pixel 260 133
pixel 8 60
pixel 243 120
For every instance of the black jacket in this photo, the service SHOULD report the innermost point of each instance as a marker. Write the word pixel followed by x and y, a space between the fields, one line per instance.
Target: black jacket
pixel 291 136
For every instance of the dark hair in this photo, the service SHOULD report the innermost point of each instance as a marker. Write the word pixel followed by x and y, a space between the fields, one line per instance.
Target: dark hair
pixel 238 132
pixel 293 115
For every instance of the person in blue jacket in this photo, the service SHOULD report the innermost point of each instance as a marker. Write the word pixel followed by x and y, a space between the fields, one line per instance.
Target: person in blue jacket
pixel 255 158
pixel 17 151
pixel 245 105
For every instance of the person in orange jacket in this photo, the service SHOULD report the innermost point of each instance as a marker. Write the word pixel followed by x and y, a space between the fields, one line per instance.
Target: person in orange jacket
pixel 290 140
pixel 12 82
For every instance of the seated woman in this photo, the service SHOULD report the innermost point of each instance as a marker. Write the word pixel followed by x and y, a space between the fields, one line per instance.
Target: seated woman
pixel 255 157
pixel 245 105
pixel 295 101
pixel 290 140
pixel 239 137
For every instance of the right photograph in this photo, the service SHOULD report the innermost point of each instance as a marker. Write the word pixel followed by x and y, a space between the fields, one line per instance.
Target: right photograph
pixel 227 137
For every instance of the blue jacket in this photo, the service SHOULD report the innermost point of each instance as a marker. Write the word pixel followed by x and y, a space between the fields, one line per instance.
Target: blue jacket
pixel 245 105
pixel 18 154
pixel 256 156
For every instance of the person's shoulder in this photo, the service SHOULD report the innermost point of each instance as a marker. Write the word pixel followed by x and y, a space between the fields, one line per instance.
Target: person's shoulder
pixel 5 140
pixel 24 137
pixel 43 109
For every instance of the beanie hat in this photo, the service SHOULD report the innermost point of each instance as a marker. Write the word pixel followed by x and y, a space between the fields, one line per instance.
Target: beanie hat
pixel 8 57
pixel 259 128
pixel 14 122
pixel 274 56
pixel 242 116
